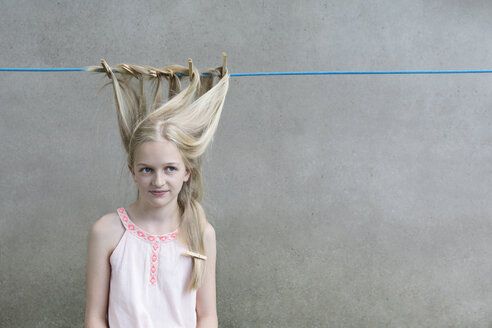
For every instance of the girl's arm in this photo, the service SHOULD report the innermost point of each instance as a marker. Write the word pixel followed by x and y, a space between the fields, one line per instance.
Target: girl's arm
pixel 98 274
pixel 206 307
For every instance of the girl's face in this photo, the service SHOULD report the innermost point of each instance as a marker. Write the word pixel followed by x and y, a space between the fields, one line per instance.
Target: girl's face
pixel 159 172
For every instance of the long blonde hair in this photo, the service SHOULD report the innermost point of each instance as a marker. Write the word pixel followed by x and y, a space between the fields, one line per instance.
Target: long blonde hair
pixel 188 119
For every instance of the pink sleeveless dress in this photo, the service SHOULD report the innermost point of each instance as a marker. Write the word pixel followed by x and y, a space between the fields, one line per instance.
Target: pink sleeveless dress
pixel 149 278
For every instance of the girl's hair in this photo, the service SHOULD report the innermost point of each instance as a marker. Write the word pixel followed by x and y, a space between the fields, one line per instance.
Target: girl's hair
pixel 188 119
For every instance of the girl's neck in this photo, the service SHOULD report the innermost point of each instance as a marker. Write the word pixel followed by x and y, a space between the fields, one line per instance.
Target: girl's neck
pixel 167 217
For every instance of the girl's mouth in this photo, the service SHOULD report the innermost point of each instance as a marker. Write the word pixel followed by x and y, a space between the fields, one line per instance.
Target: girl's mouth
pixel 159 192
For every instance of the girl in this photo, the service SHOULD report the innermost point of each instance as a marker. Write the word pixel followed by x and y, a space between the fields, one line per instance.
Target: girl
pixel 152 263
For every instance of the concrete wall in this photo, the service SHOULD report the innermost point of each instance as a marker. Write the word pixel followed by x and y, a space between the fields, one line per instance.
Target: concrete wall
pixel 338 201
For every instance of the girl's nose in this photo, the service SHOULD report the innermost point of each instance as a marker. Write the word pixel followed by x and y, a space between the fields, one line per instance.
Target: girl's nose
pixel 159 179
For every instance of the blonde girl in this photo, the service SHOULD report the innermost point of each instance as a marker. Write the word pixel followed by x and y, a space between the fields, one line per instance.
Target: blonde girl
pixel 152 263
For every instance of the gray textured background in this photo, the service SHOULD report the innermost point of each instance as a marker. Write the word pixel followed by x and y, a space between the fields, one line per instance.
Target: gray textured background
pixel 338 201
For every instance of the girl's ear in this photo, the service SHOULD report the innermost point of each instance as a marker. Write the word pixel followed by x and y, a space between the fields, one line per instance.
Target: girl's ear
pixel 187 175
pixel 133 172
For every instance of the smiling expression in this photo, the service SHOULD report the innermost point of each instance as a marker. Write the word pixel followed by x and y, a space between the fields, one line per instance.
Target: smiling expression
pixel 159 172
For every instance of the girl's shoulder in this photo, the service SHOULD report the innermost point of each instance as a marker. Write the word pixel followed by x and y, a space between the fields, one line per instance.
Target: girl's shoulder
pixel 108 230
pixel 209 234
pixel 209 231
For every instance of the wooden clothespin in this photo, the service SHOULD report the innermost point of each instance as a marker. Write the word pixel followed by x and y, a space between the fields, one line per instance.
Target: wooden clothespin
pixel 195 255
pixel 154 72
pixel 106 68
pixel 224 63
pixel 127 68
pixel 190 67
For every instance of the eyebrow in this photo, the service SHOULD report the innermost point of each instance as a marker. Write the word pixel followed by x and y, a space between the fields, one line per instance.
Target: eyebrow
pixel 169 163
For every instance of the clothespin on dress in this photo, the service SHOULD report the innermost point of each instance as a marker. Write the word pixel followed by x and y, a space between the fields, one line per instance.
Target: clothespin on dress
pixel 195 255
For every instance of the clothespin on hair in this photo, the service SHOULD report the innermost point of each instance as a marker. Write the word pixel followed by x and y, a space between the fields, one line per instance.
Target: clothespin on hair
pixel 106 68
pixel 153 72
pixel 195 255
pixel 190 66
pixel 127 68
pixel 224 63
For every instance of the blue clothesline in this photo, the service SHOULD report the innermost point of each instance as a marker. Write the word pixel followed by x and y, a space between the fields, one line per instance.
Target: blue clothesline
pixel 278 73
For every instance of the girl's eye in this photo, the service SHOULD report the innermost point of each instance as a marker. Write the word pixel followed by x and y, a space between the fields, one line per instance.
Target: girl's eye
pixel 170 169
pixel 146 170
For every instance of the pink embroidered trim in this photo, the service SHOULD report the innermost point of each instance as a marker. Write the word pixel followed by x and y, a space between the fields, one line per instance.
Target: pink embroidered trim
pixel 154 240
